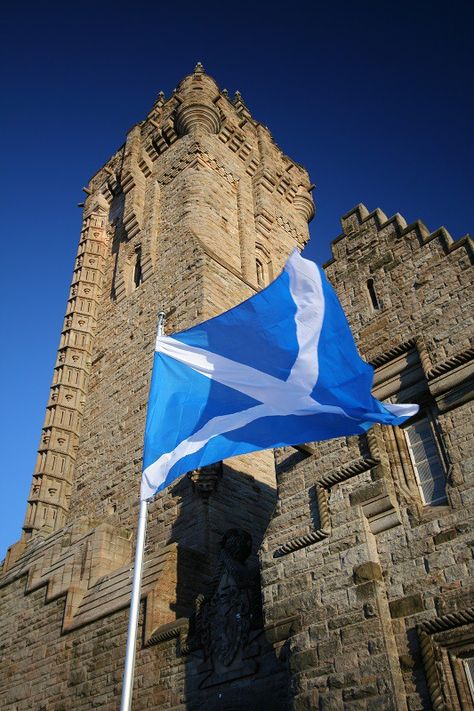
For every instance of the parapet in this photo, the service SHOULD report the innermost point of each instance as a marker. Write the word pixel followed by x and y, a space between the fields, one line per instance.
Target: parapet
pixel 360 218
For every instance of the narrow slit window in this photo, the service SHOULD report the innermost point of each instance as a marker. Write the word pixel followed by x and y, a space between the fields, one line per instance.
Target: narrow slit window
pixel 137 269
pixel 426 460
pixel 260 273
pixel 374 299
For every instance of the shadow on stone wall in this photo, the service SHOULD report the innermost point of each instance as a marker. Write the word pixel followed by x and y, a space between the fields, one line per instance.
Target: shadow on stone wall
pixel 230 663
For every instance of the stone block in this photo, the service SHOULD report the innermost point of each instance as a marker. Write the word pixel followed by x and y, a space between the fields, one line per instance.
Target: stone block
pixel 444 536
pixel 406 606
pixel 367 571
pixel 302 661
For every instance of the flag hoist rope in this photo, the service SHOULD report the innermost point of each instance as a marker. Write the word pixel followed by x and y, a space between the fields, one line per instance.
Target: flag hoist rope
pixel 129 668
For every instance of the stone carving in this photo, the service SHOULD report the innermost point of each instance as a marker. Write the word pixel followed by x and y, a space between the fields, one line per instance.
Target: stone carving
pixel 431 643
pixel 227 622
pixel 205 480
pixel 197 111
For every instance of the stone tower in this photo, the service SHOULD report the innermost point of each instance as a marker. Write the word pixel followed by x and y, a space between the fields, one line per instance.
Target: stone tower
pixel 196 211
pixel 370 548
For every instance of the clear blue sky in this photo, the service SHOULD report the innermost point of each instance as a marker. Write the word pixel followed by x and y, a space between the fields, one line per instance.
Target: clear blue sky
pixel 374 98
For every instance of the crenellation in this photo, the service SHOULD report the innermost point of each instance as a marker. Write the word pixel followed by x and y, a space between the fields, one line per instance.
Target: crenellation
pixel 377 222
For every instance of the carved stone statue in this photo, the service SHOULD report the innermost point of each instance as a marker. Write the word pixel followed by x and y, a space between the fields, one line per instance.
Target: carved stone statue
pixel 228 620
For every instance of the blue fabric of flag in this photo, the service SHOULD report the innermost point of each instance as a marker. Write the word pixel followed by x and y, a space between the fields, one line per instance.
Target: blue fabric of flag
pixel 279 369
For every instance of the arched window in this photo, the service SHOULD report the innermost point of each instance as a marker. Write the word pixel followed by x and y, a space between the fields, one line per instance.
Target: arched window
pixel 260 273
pixel 374 300
pixel 263 266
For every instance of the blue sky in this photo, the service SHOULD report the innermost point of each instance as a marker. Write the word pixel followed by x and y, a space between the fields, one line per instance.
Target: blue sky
pixel 373 98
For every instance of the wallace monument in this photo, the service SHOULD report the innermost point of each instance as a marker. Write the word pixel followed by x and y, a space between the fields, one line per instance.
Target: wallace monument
pixel 331 575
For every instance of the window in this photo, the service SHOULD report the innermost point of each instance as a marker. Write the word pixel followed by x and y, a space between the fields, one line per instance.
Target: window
pixel 427 463
pixel 469 669
pixel 263 266
pixel 137 270
pixel 374 300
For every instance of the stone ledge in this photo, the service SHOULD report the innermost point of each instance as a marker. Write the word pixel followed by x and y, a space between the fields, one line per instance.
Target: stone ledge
pixel 93 570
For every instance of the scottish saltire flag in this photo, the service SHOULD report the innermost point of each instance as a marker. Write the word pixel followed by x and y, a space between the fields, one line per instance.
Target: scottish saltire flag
pixel 279 369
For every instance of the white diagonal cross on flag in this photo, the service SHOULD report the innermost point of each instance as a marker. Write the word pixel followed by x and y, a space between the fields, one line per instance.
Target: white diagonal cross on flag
pixel 277 397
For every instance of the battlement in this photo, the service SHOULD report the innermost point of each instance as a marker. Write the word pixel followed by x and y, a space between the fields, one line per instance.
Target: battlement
pixel 359 218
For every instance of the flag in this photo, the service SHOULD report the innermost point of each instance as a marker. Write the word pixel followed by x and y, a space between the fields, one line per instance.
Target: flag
pixel 279 369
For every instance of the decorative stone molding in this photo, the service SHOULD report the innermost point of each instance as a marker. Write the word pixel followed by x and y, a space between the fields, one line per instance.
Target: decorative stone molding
pixel 194 157
pixel 240 106
pixel 205 480
pixel 431 650
pixel 304 203
pixel 72 570
pixel 378 508
pixel 393 353
pixel 408 365
pixel 161 139
pixel 347 472
pixel 263 222
pixel 197 111
pixel 322 492
pixel 289 228
pixel 93 573
pixel 48 502
pixel 451 363
pixel 432 371
pixel 178 629
pixel 235 140
pixel 314 536
pixel 191 118
pixel 447 622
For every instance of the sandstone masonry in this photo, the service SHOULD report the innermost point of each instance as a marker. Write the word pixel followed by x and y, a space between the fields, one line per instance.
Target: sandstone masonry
pixel 328 576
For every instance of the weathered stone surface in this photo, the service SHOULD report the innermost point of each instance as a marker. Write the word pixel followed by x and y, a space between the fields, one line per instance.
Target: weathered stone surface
pixel 367 571
pixel 197 211
pixel 406 606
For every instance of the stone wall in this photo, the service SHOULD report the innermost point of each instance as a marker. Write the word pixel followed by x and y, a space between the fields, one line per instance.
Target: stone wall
pixel 370 572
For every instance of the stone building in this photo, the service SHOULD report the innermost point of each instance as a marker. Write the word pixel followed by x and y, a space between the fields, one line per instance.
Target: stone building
pixel 326 576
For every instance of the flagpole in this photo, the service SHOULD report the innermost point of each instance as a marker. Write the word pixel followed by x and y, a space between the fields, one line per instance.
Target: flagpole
pixel 129 668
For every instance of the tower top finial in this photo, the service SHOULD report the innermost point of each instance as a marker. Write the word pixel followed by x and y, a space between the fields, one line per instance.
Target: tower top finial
pixel 199 69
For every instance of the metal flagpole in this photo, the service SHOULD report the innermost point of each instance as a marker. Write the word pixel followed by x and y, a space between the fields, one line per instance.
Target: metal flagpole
pixel 129 669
